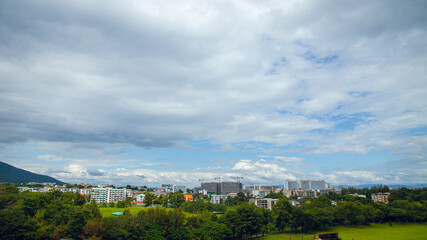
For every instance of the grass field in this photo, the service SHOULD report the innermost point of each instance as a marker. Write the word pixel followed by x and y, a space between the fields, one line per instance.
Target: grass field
pixel 372 232
pixel 106 212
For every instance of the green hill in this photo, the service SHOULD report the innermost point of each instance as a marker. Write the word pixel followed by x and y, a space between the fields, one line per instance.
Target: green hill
pixel 11 174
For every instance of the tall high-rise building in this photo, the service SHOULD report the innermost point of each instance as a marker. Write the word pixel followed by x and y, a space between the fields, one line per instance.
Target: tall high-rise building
pixel 291 185
pixel 313 185
pixel 230 187
pixel 222 188
pixel 210 187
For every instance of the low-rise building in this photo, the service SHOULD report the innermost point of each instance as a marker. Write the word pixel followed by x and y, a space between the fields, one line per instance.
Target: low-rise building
pixel 167 188
pixel 294 203
pixel 188 197
pixel 380 197
pixel 218 199
pixel 140 197
pixel 266 203
pixel 137 203
pixel 309 194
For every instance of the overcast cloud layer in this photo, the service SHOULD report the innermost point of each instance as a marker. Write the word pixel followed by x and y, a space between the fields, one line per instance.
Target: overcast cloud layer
pixel 90 89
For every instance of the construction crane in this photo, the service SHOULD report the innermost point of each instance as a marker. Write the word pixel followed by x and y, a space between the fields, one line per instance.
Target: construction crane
pixel 212 179
pixel 209 179
pixel 237 178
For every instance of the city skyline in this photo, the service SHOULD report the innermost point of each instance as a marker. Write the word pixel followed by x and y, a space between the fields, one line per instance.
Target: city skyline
pixel 145 93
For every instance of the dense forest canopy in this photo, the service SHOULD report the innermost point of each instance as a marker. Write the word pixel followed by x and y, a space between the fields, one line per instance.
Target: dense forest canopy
pixel 55 215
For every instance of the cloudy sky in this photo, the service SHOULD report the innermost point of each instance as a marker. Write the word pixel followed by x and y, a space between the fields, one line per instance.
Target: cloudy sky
pixel 151 92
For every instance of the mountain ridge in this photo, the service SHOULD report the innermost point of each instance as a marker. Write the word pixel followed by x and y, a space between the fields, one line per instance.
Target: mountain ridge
pixel 11 174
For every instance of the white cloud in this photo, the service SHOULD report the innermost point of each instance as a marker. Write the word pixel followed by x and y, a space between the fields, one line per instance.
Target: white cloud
pixel 260 171
pixel 379 176
pixel 155 74
pixel 50 157
pixel 287 159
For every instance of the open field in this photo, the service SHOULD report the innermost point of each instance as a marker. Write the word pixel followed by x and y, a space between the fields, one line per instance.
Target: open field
pixel 373 232
pixel 106 212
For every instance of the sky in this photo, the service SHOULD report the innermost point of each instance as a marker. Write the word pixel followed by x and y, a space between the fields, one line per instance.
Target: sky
pixel 152 92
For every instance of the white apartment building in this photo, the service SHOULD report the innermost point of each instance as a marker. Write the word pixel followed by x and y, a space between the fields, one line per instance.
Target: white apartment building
pixel 313 185
pixel 107 195
pixel 86 191
pixel 216 199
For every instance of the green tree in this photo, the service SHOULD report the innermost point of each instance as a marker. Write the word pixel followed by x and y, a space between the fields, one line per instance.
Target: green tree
pixel 121 204
pixel 14 224
pixel 299 219
pixel 175 200
pixel 213 230
pixel 7 188
pixel 241 197
pixel 148 199
pixel 80 219
pixel 163 218
pixel 275 195
pixel 282 212
pixel 31 202
pixel 245 220
pixel 352 212
pixel 114 228
pixel 76 225
pixel 79 200
pixel 180 234
pixel 91 210
pixel 321 202
pixel 126 211
pixel 92 230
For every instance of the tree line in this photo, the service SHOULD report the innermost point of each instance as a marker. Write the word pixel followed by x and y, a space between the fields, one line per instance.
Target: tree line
pixel 57 215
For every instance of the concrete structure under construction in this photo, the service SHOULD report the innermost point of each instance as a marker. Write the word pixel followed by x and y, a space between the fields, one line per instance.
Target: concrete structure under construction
pixel 221 188
pixel 230 187
pixel 210 187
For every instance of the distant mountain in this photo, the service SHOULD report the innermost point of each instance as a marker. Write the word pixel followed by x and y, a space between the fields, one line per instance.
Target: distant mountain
pixel 11 174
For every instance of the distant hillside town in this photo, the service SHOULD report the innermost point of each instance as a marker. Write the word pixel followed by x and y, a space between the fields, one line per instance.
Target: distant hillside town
pixel 217 192
pixel 225 209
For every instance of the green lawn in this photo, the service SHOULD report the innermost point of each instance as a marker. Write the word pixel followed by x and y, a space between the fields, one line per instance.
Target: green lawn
pixel 106 212
pixel 372 232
